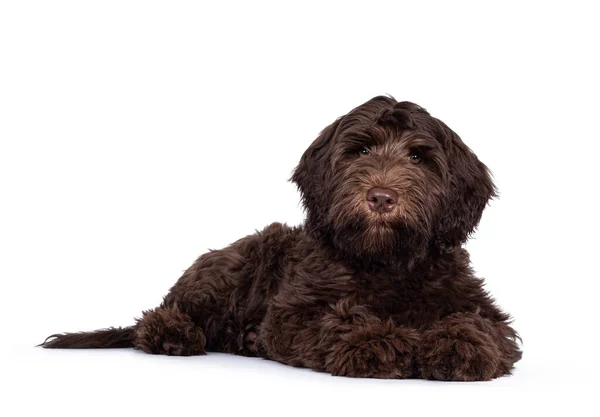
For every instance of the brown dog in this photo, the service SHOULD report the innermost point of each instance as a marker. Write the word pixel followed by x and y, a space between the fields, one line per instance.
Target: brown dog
pixel 374 284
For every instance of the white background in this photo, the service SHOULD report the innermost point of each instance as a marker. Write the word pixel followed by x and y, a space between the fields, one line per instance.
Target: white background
pixel 136 135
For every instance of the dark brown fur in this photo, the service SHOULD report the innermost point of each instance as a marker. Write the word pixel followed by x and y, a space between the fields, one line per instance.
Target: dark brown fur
pixel 351 292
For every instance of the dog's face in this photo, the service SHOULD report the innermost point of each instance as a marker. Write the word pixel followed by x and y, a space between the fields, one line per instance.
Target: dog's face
pixel 388 180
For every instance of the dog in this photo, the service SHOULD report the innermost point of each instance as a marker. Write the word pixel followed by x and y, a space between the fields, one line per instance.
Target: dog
pixel 375 283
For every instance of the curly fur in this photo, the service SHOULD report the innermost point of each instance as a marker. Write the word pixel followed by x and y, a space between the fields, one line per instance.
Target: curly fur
pixel 351 292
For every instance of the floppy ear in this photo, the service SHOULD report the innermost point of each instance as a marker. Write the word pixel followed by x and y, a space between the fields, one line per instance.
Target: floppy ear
pixel 314 172
pixel 470 187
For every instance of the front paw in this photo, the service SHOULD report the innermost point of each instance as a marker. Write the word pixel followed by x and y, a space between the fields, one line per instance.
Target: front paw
pixel 381 351
pixel 458 352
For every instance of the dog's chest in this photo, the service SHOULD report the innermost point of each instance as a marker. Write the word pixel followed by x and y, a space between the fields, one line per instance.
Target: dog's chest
pixel 382 293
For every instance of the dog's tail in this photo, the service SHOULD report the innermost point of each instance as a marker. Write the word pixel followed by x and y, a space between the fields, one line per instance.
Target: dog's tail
pixel 113 337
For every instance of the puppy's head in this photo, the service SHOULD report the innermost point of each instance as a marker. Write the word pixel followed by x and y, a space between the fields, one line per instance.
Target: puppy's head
pixel 387 180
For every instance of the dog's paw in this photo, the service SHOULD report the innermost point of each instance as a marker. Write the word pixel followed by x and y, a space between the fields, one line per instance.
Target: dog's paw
pixel 458 352
pixel 382 351
pixel 169 332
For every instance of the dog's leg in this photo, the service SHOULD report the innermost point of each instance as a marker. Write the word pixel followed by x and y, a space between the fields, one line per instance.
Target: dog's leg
pixel 166 330
pixel 374 350
pixel 343 339
pixel 219 301
pixel 467 347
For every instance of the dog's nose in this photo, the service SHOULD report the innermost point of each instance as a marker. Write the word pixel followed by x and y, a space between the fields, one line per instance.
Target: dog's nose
pixel 382 200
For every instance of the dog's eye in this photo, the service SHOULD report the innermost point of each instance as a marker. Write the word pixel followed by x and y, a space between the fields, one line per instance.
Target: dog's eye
pixel 415 156
pixel 364 151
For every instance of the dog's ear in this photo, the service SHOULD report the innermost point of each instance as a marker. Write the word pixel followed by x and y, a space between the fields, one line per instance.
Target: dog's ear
pixel 470 187
pixel 314 171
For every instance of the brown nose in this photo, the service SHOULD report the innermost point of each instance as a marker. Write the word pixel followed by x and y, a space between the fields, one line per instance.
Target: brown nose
pixel 382 200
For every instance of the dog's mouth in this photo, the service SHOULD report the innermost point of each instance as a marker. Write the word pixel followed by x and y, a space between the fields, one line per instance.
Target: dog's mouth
pixel 382 219
pixel 381 222
pixel 380 225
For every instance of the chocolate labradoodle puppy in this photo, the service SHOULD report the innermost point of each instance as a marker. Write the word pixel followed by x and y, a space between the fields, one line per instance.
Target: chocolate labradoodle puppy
pixel 375 283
